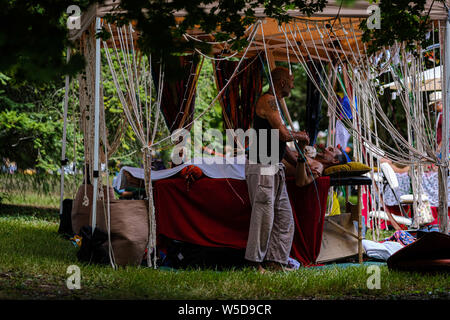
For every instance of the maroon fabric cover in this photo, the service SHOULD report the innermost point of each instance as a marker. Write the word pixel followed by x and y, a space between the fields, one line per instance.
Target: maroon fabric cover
pixel 216 213
pixel 208 214
pixel 309 205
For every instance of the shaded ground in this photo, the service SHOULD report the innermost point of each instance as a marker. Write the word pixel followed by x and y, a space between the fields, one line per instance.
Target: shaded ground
pixel 34 261
pixel 16 285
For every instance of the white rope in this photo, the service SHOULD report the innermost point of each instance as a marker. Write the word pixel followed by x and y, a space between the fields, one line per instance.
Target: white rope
pixel 134 114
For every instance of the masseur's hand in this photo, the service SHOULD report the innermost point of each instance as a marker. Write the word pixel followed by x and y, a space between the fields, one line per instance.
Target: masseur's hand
pixel 302 139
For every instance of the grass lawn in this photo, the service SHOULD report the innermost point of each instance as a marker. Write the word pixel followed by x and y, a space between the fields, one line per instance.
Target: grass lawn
pixel 34 261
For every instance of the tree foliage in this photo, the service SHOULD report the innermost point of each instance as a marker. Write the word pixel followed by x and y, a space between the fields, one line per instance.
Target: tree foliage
pixel 30 125
pixel 401 21
pixel 34 36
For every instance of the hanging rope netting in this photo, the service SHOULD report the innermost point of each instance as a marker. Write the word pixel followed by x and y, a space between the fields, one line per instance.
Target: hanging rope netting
pixel 336 46
pixel 140 98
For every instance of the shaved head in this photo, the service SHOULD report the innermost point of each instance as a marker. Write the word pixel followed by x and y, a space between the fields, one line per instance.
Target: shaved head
pixel 280 73
pixel 283 82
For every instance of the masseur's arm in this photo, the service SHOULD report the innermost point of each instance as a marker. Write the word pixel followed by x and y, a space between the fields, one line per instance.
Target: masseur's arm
pixel 268 110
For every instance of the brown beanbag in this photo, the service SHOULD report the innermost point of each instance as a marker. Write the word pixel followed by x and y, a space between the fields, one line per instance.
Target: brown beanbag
pixel 129 229
pixel 81 215
pixel 430 253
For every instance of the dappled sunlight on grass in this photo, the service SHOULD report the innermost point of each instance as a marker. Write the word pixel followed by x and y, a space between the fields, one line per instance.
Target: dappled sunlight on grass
pixel 34 261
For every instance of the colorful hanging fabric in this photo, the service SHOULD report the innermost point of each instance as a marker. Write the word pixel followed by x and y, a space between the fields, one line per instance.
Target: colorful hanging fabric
pixel 239 99
pixel 179 82
pixel 335 208
pixel 401 237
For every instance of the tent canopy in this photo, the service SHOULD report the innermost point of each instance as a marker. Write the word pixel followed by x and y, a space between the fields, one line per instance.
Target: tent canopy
pixel 309 29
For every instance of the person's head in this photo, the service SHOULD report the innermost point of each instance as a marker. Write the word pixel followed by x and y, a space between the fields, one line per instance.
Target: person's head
pixel 283 81
pixel 331 156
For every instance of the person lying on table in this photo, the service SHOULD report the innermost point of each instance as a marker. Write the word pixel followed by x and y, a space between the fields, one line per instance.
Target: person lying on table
pixel 311 165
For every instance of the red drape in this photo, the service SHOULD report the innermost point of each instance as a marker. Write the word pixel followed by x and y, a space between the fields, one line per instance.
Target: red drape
pixel 216 213
pixel 309 205
pixel 178 83
pixel 239 99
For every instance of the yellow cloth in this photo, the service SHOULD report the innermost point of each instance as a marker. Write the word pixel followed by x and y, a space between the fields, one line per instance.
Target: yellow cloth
pixel 335 208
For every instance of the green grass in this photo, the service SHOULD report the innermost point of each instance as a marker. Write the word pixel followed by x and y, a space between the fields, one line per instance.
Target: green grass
pixel 32 199
pixel 37 190
pixel 34 261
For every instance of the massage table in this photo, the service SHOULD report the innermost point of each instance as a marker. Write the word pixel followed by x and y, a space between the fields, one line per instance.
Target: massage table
pixel 216 213
pixel 215 210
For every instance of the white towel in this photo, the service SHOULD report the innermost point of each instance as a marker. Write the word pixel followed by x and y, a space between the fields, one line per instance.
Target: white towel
pixel 214 167
pixel 381 251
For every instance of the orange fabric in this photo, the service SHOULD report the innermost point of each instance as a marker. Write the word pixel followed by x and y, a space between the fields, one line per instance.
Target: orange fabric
pixel 191 174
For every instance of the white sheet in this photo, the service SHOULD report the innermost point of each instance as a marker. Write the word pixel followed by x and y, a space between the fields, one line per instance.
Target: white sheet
pixel 381 251
pixel 214 167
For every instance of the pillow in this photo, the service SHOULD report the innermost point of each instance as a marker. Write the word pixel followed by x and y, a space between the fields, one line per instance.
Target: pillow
pixel 191 174
pixel 350 169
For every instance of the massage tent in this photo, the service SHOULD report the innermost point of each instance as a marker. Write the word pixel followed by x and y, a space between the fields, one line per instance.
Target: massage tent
pixel 327 44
